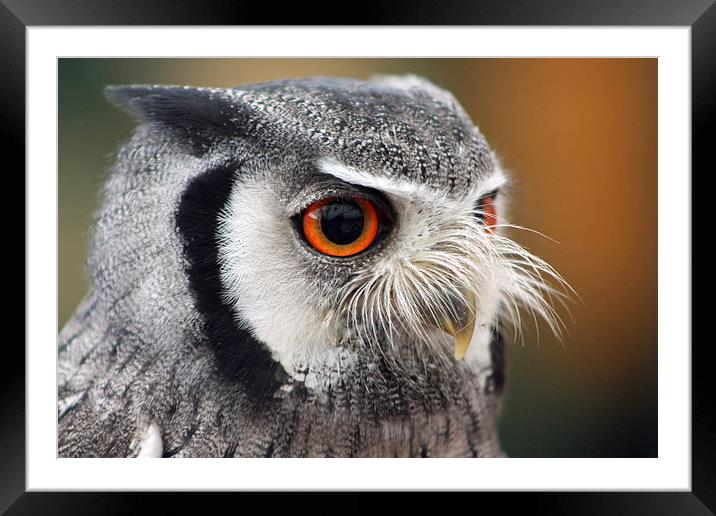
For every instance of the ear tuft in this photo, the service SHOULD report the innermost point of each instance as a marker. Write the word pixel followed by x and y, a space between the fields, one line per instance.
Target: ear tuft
pixel 182 107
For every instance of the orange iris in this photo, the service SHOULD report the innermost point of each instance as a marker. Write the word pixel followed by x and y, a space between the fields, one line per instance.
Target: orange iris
pixel 489 212
pixel 315 219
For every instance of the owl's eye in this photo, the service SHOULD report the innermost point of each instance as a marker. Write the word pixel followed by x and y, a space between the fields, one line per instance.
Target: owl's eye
pixel 486 211
pixel 340 227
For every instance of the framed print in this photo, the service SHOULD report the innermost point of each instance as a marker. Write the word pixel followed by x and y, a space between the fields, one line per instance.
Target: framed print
pixel 398 194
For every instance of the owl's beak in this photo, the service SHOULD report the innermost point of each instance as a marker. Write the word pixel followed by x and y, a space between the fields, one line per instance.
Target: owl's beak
pixel 463 328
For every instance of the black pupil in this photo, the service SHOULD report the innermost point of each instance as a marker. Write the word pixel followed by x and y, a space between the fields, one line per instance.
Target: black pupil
pixel 342 222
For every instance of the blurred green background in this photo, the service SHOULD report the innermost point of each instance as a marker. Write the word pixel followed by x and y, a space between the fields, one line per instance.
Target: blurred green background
pixel 579 137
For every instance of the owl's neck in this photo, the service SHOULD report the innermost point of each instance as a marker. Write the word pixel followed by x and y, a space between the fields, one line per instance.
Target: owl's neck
pixel 328 368
pixel 331 368
pixel 347 406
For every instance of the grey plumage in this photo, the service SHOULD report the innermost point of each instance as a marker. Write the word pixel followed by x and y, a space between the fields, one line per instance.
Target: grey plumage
pixel 154 346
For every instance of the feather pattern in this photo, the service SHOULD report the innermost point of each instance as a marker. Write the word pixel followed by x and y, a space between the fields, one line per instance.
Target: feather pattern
pixel 210 331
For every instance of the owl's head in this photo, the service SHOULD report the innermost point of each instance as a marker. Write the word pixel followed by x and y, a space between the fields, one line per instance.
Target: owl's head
pixel 320 223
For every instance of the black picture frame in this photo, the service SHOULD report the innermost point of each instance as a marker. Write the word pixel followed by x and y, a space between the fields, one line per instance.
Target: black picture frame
pixel 17 15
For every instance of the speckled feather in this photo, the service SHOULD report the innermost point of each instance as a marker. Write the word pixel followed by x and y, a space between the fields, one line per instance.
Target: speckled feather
pixel 139 349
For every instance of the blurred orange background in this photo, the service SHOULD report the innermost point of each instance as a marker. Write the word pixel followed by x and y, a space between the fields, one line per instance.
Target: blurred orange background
pixel 579 139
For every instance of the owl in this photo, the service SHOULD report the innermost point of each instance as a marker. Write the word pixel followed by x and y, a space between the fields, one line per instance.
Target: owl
pixel 299 268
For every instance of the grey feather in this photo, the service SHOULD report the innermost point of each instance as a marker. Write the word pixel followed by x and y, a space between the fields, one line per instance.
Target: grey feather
pixel 136 353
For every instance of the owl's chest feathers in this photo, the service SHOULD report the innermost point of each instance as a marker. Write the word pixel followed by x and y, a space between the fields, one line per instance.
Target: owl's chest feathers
pixel 345 407
pixel 371 416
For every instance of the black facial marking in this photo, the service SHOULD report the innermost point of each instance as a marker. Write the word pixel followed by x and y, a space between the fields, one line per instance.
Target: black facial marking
pixel 239 356
pixel 497 357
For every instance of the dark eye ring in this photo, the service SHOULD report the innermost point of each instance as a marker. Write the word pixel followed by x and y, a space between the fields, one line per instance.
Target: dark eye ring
pixel 341 226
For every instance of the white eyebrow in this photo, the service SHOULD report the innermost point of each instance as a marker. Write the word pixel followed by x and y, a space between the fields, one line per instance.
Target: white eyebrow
pixel 358 177
pixel 398 187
